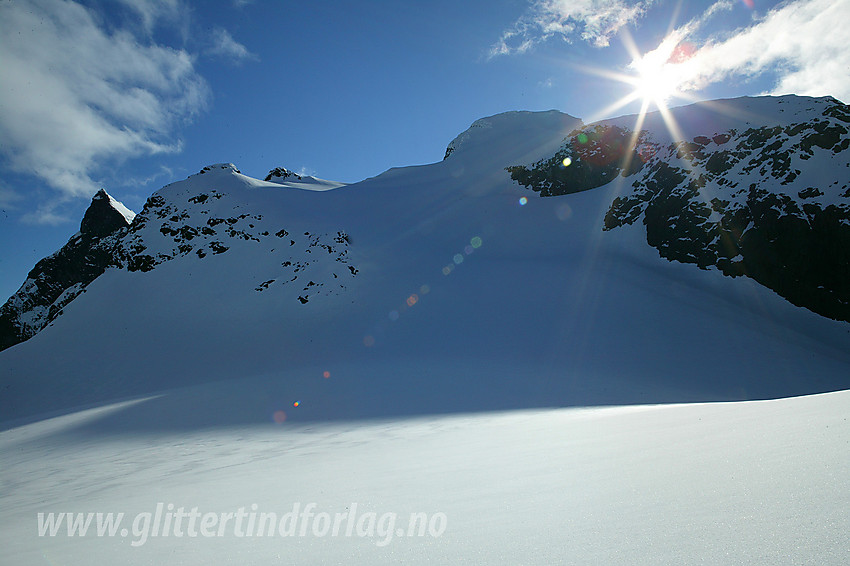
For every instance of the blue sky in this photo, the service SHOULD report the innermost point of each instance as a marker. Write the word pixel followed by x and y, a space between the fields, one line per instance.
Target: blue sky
pixel 130 95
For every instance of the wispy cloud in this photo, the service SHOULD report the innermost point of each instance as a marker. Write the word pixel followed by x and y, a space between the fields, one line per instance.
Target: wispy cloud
pixel 151 12
pixel 76 96
pixel 594 21
pixel 225 46
pixel 46 214
pixel 9 198
pixel 801 45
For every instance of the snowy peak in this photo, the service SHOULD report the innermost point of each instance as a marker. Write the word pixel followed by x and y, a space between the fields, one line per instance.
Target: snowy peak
pixel 58 279
pixel 531 135
pixel 218 168
pixel 284 177
pixel 105 215
pixel 281 173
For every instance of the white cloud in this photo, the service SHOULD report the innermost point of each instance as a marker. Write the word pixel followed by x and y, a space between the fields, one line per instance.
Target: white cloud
pixel 75 96
pixel 594 21
pixel 802 44
pixel 225 46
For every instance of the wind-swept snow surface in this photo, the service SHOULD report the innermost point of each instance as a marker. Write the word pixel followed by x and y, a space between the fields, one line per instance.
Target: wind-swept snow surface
pixel 756 483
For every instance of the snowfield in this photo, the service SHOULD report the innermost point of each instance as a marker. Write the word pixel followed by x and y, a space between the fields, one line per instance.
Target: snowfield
pixel 765 482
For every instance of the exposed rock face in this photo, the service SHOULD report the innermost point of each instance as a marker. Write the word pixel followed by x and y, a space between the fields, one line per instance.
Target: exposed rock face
pixel 57 279
pixel 208 223
pixel 771 202
pixel 592 157
pixel 280 173
pixel 102 218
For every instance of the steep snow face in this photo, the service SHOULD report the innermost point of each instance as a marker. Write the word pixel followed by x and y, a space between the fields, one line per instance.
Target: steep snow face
pixel 762 192
pixel 438 288
pixel 128 214
pixel 57 279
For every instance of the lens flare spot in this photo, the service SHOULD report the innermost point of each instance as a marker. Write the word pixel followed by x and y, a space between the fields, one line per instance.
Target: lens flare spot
pixel 424 289
pixel 458 259
pixel 567 162
pixel 468 249
pixel 326 374
pixel 369 341
pixel 581 138
pixel 393 315
pixel 448 269
pixel 412 299
pixel 296 404
pixel 476 242
pixel 523 201
pixel 279 416
pixel 563 212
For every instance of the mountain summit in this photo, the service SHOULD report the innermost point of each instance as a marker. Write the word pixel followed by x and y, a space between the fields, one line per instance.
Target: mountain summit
pixel 57 279
pixel 704 261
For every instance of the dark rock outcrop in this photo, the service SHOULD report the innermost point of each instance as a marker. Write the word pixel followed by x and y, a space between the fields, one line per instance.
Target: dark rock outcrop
pixel 592 157
pixel 742 202
pixel 59 278
pixel 281 173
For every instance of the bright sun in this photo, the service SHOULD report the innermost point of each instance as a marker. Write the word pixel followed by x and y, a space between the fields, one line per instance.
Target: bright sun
pixel 654 83
pixel 656 76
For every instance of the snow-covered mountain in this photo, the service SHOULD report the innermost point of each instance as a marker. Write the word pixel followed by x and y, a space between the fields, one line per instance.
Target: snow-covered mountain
pixel 430 278
pixel 396 346
pixel 56 280
pixel 757 187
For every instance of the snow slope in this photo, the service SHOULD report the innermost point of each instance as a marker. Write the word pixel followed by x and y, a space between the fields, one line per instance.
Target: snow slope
pixel 730 483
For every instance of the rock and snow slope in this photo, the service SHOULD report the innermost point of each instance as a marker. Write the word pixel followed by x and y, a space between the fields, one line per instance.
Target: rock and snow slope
pixel 392 344
pixel 762 190
pixel 438 280
pixel 57 280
